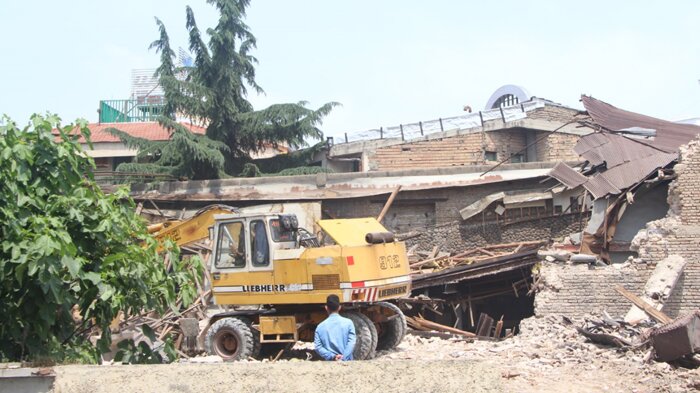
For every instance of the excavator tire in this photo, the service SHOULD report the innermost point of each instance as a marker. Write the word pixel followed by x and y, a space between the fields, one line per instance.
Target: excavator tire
pixel 364 346
pixel 392 331
pixel 233 339
pixel 373 333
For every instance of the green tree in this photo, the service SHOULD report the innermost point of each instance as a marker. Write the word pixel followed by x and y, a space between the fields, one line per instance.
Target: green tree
pixel 213 92
pixel 71 256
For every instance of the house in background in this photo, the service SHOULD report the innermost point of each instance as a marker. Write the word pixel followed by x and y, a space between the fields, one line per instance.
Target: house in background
pixel 109 151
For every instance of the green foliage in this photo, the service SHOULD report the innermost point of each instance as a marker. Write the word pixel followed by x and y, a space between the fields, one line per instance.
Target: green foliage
pixel 142 353
pixel 71 257
pixel 250 170
pixel 302 170
pixel 186 154
pixel 302 157
pixel 214 92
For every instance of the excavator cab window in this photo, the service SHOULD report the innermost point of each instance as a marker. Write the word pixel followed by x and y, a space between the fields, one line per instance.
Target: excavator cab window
pixel 259 244
pixel 231 249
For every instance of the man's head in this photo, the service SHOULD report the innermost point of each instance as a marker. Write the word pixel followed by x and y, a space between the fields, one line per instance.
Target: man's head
pixel 332 304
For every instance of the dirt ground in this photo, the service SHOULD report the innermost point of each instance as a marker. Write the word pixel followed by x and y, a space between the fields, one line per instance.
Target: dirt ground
pixel 456 375
pixel 300 376
pixel 547 357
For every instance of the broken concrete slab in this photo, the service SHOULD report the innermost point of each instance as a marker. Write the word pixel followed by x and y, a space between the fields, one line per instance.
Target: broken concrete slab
pixel 658 287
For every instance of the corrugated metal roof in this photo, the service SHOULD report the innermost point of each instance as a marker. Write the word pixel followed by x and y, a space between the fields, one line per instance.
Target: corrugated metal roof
pixel 669 135
pixel 599 186
pixel 567 175
pixel 627 159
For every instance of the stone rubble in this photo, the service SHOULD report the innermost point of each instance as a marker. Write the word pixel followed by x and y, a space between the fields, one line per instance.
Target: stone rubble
pixel 544 345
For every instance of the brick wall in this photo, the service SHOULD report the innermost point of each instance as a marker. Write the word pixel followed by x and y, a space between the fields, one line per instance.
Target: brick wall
pixel 553 113
pixel 556 147
pixel 447 201
pixel 446 152
pixel 469 150
pixel 577 290
pixel 458 236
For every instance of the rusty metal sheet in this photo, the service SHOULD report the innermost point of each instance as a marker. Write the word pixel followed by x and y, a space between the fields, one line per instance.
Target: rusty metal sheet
pixel 669 135
pixel 627 161
pixel 567 175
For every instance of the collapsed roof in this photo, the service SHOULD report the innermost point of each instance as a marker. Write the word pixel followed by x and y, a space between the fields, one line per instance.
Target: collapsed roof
pixel 628 148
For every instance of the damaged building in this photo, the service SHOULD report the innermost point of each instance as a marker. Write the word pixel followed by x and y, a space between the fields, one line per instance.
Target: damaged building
pixel 588 182
pixel 641 174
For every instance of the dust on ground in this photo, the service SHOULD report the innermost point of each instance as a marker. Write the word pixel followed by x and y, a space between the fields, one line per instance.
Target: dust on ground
pixel 546 357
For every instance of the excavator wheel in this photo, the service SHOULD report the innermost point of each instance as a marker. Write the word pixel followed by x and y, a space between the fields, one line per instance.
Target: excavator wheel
pixel 373 334
pixel 392 331
pixel 232 339
pixel 365 334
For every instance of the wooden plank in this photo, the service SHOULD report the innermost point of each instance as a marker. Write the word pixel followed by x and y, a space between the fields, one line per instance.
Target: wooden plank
pixel 499 327
pixel 486 324
pixel 439 327
pixel 648 308
pixel 426 261
pixel 506 245
pixel 388 203
pixel 157 208
pixel 487 252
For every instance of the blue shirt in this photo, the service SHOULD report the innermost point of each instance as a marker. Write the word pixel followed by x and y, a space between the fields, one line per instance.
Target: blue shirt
pixel 335 336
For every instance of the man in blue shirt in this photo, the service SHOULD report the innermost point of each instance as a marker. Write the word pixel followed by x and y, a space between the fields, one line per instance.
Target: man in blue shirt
pixel 335 336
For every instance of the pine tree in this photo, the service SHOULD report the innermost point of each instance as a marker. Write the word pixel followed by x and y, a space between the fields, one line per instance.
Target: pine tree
pixel 213 92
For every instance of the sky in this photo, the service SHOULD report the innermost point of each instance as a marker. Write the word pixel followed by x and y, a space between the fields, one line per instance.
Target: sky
pixel 387 62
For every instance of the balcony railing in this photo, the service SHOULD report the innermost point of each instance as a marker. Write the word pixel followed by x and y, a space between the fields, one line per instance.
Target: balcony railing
pixel 134 110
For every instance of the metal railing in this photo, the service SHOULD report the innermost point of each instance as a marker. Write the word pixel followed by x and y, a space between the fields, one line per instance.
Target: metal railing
pixel 132 110
pixel 416 130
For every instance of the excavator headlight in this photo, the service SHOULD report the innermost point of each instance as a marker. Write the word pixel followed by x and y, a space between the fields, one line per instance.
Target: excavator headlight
pixel 289 222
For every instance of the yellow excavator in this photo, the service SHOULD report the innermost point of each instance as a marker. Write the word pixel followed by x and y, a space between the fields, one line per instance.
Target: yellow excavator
pixel 274 278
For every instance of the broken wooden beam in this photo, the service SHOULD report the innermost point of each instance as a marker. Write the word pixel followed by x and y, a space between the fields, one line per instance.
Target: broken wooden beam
pixel 388 204
pixel 648 308
pixel 436 326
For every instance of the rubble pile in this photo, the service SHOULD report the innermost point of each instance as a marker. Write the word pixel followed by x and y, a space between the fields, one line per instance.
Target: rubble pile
pixel 434 261
pixel 553 343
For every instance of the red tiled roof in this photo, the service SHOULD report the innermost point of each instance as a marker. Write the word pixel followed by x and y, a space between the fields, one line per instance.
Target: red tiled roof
pixel 146 130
